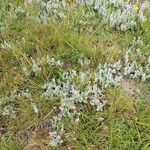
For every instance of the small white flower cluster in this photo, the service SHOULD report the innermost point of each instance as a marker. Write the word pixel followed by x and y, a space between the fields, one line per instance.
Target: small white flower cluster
pixel 25 71
pixel 34 107
pixel 6 107
pixel 5 45
pixel 84 75
pixel 55 139
pixel 109 74
pixel 36 66
pixel 70 94
pixel 54 62
pixel 56 8
pixel 132 67
pixel 135 70
pixel 123 15
pixel 9 111
pixel 117 13
pixel 20 10
pixel 95 98
pixel 84 63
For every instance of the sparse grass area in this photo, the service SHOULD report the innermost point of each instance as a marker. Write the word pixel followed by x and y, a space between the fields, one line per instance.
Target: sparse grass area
pixel 126 117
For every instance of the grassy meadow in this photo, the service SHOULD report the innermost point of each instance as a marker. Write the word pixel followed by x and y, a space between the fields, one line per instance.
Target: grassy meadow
pixel 27 44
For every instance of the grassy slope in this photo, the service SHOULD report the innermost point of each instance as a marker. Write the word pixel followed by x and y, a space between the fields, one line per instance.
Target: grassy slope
pixel 127 120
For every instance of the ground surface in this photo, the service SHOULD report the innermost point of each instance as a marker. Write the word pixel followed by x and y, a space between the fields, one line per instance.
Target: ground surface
pixel 124 123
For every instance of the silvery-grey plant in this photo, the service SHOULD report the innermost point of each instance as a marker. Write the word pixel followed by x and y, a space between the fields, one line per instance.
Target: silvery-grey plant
pixel 117 13
pixel 122 16
pixel 109 74
pixel 132 67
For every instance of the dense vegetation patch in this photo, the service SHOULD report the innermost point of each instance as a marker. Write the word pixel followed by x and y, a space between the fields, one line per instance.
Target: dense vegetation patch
pixel 74 74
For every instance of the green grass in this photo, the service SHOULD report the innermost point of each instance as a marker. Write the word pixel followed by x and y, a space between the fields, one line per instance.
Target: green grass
pixel 126 124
